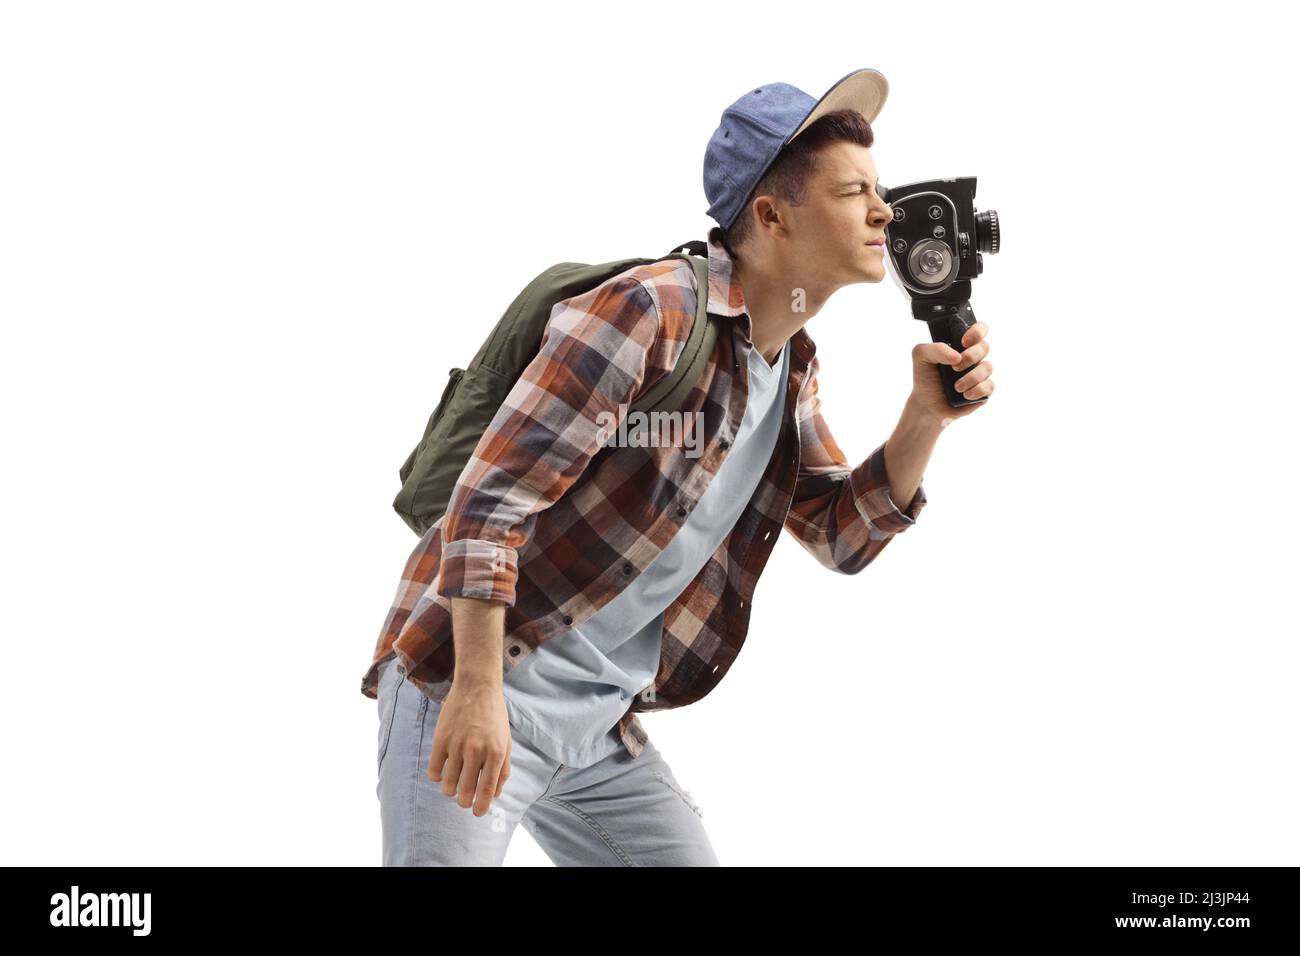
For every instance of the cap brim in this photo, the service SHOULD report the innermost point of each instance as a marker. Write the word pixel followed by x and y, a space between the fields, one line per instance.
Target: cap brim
pixel 862 90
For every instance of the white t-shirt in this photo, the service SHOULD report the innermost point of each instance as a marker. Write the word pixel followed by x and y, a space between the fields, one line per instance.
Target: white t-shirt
pixel 568 695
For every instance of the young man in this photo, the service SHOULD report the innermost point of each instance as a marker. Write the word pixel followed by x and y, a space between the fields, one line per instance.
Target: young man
pixel 573 583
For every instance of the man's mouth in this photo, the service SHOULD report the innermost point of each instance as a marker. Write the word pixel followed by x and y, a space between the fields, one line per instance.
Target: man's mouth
pixel 877 242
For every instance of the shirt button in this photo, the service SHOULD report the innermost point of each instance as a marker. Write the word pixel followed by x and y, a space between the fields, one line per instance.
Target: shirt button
pixel 681 510
pixel 568 619
pixel 514 651
pixel 627 569
pixel 724 443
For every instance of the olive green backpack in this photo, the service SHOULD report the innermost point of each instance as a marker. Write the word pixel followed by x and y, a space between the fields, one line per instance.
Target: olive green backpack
pixel 473 394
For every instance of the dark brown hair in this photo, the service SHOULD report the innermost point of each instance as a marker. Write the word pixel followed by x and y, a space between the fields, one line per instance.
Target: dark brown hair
pixel 788 175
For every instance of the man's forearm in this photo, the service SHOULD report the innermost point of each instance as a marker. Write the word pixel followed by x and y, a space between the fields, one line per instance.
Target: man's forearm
pixel 907 452
pixel 477 628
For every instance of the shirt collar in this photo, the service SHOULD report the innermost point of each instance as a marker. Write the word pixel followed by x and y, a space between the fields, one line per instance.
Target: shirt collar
pixel 727 298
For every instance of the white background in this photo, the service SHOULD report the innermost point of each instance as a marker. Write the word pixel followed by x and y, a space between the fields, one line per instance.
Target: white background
pixel 242 243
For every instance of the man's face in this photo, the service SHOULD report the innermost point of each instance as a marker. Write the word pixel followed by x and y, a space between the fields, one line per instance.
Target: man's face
pixel 839 231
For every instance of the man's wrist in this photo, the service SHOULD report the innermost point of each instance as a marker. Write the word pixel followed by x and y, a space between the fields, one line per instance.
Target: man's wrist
pixel 477 681
pixel 919 422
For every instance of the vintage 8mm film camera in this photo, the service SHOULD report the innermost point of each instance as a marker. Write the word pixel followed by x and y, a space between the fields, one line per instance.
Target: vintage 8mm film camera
pixel 934 248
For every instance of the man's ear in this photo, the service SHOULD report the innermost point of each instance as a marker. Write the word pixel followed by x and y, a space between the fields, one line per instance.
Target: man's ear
pixel 769 215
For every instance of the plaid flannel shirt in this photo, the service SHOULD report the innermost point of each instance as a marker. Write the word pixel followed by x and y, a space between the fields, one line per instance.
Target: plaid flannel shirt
pixel 553 520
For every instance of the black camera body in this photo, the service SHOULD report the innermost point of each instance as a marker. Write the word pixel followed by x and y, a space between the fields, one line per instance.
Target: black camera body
pixel 935 246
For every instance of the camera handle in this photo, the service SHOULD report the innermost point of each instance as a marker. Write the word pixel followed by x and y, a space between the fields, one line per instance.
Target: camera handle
pixel 949 315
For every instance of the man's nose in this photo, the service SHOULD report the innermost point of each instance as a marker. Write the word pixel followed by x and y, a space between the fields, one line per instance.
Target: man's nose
pixel 882 207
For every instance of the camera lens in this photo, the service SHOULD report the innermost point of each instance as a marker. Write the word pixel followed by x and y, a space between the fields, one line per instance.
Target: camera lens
pixel 987 235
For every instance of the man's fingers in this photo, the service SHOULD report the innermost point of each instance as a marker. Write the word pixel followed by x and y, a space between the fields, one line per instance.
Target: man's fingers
pixel 976 375
pixel 469 773
pixel 487 786
pixel 972 355
pixel 980 390
pixel 505 774
pixel 974 334
pixel 451 774
pixel 437 758
pixel 936 353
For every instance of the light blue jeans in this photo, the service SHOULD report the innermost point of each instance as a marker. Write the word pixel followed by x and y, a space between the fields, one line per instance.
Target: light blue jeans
pixel 620 811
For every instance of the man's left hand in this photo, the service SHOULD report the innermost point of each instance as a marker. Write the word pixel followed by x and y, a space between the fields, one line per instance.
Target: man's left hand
pixel 927 388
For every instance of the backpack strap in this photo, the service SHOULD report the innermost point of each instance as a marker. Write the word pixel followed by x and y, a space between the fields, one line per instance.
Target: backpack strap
pixel 671 391
pixel 694 247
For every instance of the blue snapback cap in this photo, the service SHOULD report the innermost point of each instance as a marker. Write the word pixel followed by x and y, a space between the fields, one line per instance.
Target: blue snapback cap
pixel 756 127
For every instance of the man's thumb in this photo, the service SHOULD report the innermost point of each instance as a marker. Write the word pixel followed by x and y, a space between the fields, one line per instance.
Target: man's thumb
pixel 936 353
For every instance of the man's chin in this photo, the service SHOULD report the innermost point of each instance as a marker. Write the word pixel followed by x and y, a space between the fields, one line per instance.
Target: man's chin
pixel 874 265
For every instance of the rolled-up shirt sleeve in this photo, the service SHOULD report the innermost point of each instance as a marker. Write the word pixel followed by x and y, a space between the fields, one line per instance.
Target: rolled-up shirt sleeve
pixel 843 516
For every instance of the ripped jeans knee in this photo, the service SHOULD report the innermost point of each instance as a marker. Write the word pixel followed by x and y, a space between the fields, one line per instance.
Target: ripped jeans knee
pixel 676 788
